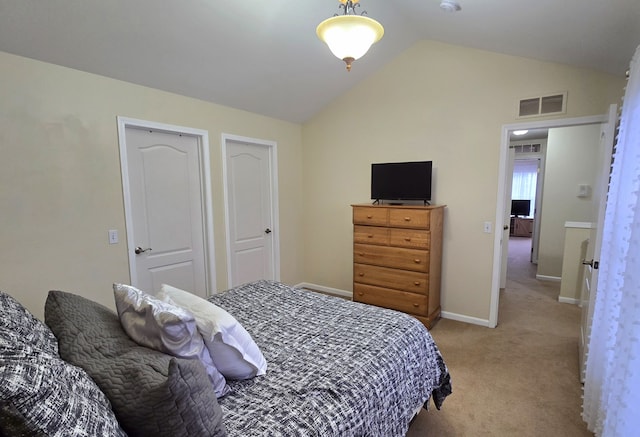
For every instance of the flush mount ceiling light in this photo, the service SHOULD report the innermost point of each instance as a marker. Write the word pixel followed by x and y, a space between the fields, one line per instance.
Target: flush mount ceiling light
pixel 450 6
pixel 520 132
pixel 349 36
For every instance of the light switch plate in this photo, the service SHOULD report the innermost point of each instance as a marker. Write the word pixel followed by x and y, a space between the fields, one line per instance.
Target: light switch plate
pixel 113 236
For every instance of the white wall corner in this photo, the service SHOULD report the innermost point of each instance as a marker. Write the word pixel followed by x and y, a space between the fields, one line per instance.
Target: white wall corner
pixel 579 225
pixel 548 278
pixel 570 300
pixel 466 319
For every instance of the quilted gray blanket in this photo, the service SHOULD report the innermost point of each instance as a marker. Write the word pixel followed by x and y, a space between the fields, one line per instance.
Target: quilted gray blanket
pixel 335 367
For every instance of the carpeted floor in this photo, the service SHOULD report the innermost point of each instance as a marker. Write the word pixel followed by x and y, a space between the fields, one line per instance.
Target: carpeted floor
pixel 519 379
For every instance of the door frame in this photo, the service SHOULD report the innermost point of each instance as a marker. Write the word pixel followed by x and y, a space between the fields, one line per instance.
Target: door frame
pixel 272 148
pixel 206 198
pixel 500 207
pixel 535 243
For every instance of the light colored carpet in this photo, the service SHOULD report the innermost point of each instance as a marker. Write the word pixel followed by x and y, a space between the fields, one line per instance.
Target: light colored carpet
pixel 519 379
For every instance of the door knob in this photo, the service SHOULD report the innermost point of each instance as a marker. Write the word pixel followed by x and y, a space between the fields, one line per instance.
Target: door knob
pixel 267 231
pixel 140 250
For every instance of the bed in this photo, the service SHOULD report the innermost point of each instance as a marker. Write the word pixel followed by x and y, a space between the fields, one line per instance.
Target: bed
pixel 335 367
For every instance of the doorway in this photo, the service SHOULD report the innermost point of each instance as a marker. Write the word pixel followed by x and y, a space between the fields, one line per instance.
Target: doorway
pixel 251 208
pixel 501 237
pixel 523 212
pixel 523 191
pixel 527 153
pixel 167 203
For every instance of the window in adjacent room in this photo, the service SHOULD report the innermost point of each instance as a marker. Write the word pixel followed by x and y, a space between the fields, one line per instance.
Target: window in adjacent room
pixel 525 178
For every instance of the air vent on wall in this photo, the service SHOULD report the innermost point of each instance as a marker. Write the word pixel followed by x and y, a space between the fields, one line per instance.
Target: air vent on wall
pixel 555 103
pixel 525 148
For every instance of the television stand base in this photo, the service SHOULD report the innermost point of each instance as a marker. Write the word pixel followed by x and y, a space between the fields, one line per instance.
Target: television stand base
pixel 381 202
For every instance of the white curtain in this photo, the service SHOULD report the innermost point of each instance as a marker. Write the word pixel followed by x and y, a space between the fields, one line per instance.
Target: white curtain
pixel 612 383
pixel 525 178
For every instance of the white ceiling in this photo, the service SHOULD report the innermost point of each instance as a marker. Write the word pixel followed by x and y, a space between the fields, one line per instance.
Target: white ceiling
pixel 263 55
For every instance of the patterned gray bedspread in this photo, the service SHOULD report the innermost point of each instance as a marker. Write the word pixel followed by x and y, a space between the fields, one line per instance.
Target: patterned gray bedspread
pixel 335 367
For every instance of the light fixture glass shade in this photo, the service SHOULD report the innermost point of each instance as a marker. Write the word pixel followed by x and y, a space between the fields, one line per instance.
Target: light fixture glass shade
pixel 349 37
pixel 520 132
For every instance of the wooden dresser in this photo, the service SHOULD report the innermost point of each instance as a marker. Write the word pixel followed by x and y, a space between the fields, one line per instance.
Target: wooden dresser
pixel 521 227
pixel 397 258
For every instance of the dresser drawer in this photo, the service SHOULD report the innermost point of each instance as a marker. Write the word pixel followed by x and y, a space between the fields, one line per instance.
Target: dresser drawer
pixel 394 299
pixel 412 238
pixel 371 235
pixel 369 215
pixel 409 218
pixel 395 257
pixel 385 277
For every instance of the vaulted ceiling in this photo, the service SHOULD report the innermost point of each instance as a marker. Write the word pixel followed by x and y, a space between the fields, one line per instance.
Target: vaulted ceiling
pixel 263 56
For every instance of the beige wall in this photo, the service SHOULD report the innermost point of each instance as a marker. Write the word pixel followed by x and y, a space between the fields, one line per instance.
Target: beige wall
pixel 60 183
pixel 571 160
pixel 60 188
pixel 433 102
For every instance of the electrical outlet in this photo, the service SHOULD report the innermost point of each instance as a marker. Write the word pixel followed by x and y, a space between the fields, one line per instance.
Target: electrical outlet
pixel 487 227
pixel 113 236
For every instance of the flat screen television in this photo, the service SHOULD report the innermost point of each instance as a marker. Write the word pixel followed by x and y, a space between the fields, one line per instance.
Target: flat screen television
pixel 398 181
pixel 520 208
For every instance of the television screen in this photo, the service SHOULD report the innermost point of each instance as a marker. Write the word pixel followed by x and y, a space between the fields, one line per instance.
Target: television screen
pixel 520 207
pixel 401 181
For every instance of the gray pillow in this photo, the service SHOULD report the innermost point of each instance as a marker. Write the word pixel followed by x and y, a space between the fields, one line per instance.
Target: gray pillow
pixel 152 393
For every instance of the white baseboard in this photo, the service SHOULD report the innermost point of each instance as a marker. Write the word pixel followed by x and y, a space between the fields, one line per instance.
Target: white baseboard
pixel 571 300
pixel 349 294
pixel 328 290
pixel 548 278
pixel 463 318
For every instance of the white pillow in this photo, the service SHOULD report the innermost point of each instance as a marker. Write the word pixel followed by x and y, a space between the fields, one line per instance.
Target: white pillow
pixel 232 349
pixel 165 327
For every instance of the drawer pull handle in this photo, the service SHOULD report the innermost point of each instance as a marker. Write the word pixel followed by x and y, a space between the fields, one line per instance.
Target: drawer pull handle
pixel 370 236
pixel 361 254
pixel 417 261
pixel 416 283
pixel 416 305
pixel 407 239
pixel 361 294
pixel 407 219
pixel 361 274
pixel 369 216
